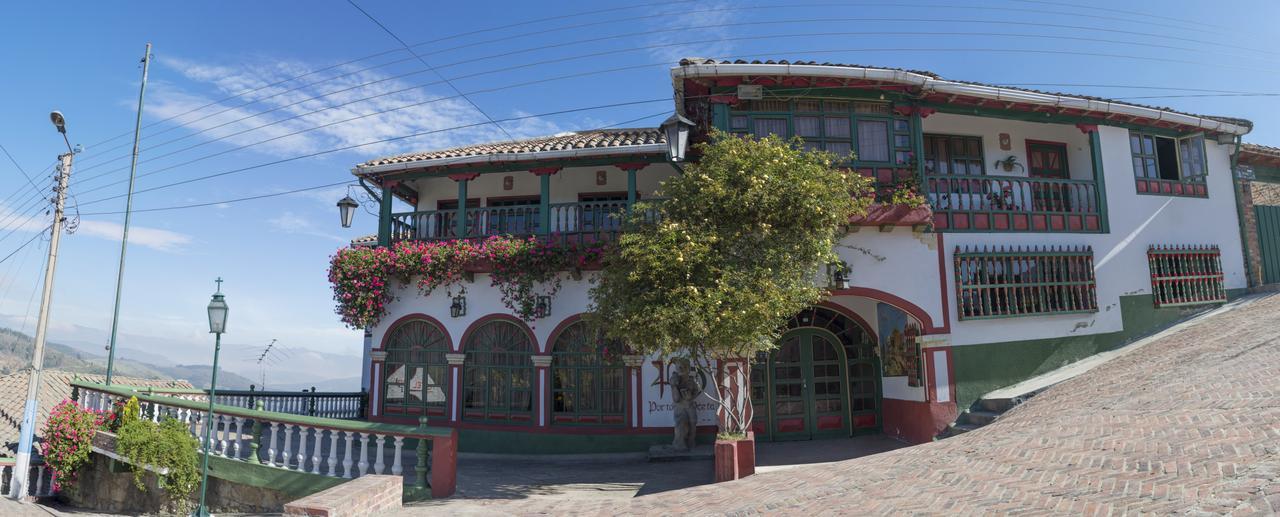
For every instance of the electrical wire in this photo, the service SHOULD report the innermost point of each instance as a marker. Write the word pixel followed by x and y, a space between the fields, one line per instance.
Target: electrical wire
pixel 20 169
pixel 375 142
pixel 25 244
pixel 429 67
pixel 589 55
pixel 27 315
pixel 686 13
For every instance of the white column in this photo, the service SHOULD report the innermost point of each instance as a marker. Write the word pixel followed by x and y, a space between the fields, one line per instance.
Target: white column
pixel 271 449
pixel 333 453
pixel 315 451
pixel 301 457
pixel 395 462
pixel 288 445
pixel 238 423
pixel 364 454
pixel 346 458
pixel 379 466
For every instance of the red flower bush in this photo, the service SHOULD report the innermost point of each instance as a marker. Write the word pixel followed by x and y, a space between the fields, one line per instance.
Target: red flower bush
pixel 522 270
pixel 68 437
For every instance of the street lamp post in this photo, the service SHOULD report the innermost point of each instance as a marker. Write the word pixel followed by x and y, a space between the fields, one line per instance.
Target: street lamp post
pixel 26 432
pixel 217 325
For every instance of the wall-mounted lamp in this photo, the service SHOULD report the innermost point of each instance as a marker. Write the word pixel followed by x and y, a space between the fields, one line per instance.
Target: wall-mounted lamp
pixel 458 308
pixel 542 308
pixel 838 275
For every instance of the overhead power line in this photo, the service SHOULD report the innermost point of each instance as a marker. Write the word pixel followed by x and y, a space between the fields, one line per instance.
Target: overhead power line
pixel 507 37
pixel 429 67
pixel 20 169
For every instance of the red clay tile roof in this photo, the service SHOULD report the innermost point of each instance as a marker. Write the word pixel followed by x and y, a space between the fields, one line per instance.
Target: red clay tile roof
pixel 591 139
pixel 1264 150
pixel 55 387
pixel 707 61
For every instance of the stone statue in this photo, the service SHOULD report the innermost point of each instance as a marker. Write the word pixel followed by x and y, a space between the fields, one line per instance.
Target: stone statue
pixel 684 391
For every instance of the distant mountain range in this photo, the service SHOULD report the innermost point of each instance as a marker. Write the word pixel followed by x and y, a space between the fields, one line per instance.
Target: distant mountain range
pixel 15 354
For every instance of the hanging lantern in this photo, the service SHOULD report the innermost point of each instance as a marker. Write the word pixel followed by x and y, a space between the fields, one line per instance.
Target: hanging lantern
pixel 347 209
pixel 676 128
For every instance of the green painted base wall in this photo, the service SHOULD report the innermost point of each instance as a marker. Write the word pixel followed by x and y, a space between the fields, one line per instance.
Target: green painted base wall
pixel 982 368
pixel 517 442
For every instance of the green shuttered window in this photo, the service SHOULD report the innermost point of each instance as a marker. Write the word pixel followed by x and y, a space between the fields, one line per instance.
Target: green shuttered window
pixel 1015 281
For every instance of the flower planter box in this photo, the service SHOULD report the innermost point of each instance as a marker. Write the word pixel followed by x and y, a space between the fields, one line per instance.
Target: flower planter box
pixel 735 459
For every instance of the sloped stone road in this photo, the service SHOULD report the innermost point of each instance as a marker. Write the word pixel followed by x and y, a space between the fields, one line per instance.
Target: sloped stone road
pixel 1189 424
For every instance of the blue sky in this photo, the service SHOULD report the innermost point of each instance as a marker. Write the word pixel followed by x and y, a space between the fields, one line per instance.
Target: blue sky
pixel 82 58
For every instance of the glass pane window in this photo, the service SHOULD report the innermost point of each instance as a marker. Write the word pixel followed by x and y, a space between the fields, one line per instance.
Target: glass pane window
pixel 498 374
pixel 806 126
pixel 588 378
pixel 873 140
pixel 416 369
pixel 771 126
pixel 950 154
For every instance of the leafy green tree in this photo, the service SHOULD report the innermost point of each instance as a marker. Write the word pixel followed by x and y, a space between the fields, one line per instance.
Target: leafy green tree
pixel 737 251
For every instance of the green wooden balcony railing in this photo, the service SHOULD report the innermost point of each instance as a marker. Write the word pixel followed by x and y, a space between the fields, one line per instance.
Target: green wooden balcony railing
pixel 581 222
pixel 321 446
pixel 1014 203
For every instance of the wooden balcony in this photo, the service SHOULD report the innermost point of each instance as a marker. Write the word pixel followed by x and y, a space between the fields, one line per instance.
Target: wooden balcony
pixel 1014 204
pixel 584 222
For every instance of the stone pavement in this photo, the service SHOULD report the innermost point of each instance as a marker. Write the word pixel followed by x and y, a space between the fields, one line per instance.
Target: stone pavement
pixel 1191 425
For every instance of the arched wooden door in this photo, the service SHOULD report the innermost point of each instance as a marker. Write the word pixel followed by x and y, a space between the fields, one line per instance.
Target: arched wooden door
pixel 822 381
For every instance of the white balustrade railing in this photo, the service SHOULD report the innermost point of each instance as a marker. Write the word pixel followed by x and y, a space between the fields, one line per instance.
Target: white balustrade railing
pixel 285 440
pixel 39 479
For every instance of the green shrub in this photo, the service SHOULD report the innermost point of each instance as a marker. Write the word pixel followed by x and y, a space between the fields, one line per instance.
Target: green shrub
pixel 167 445
pixel 126 412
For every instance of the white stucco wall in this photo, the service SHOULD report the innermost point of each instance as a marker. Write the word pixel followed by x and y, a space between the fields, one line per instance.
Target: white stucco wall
pixel 901 262
pixel 565 185
pixel 1136 221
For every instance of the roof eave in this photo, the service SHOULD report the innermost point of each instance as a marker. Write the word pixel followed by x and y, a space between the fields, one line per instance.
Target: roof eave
pixel 492 158
pixel 944 86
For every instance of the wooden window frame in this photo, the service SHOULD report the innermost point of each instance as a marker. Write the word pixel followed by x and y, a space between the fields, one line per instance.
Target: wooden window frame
pixel 1066 164
pixel 472 366
pixel 1196 186
pixel 948 137
pixel 851 113
pixel 414 357
pixel 563 362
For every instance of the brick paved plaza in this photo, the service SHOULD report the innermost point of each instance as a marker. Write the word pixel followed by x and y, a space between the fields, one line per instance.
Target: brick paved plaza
pixel 1190 424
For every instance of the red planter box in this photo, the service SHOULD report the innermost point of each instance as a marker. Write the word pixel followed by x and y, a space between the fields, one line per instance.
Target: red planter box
pixel 735 459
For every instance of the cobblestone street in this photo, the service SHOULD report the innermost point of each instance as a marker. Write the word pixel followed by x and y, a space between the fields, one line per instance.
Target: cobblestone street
pixel 1191 424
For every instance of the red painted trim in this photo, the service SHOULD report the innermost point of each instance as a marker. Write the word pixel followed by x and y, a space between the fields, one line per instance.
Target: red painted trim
pixel 910 308
pixel 848 313
pixel 464 176
pixel 544 171
pixel 1087 128
pixel 942 284
pixel 925 112
pixel 632 166
pixel 382 345
pixel 555 332
pixel 731 100
pixel 533 339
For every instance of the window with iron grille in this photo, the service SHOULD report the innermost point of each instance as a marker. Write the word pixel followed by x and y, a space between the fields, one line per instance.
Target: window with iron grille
pixel 588 379
pixel 416 370
pixel 1186 275
pixel 497 374
pixel 1010 282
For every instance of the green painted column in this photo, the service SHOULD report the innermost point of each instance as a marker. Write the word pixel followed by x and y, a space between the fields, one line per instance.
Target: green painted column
pixel 460 223
pixel 631 188
pixel 544 204
pixel 917 148
pixel 720 116
pixel 384 215
pixel 1099 177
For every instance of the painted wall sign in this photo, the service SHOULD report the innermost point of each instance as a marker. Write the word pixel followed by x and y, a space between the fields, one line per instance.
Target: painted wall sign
pixel 1006 142
pixel 656 404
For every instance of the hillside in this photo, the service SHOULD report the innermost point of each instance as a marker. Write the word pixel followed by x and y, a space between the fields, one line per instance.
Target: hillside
pixel 15 354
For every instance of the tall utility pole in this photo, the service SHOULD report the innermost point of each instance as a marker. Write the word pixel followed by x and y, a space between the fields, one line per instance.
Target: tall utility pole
pixel 128 211
pixel 22 467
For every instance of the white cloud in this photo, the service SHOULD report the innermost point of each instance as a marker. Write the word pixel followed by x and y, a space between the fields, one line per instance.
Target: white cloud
pixel 289 222
pixel 289 106
pixel 154 238
pixel 696 22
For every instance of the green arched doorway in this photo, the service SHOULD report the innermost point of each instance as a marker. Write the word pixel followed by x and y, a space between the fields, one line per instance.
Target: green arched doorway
pixel 823 380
